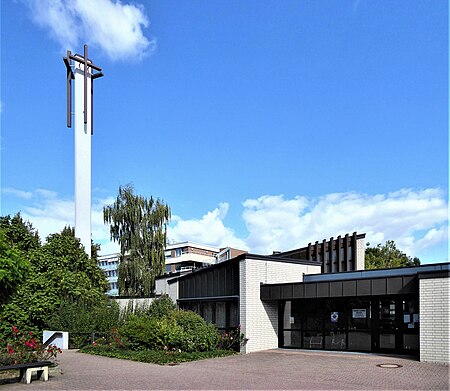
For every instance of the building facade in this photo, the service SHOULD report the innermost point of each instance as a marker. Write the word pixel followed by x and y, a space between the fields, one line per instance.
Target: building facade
pixel 399 311
pixel 187 256
pixel 109 264
pixel 180 258
pixel 294 300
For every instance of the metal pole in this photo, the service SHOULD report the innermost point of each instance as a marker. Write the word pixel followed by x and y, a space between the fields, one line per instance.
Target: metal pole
pixel 85 83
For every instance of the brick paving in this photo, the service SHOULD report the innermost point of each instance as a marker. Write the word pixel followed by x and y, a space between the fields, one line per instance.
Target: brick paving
pixel 271 369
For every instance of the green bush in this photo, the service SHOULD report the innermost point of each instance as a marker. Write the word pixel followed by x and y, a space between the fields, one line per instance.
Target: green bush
pixel 142 332
pixel 179 330
pixel 232 340
pixel 197 334
pixel 78 317
pixel 160 307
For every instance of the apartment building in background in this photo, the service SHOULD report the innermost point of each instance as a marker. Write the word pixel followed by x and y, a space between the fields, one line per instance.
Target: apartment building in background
pixel 182 257
pixel 109 264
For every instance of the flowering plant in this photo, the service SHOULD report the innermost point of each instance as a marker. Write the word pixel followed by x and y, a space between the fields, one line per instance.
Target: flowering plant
pixel 22 348
pixel 166 350
pixel 113 339
pixel 232 340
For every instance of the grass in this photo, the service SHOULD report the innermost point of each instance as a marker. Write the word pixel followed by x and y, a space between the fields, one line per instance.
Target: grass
pixel 153 356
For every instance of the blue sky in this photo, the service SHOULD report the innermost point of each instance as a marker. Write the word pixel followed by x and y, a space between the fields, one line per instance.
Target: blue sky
pixel 264 125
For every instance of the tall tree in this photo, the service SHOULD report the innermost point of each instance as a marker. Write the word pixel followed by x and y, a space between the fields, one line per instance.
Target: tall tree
pixel 59 270
pixel 18 239
pixel 139 225
pixel 14 267
pixel 20 233
pixel 95 247
pixel 387 256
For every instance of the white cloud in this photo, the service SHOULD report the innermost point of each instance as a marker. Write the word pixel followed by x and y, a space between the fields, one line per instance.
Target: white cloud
pixel 416 219
pixel 49 213
pixel 111 25
pixel 26 195
pixel 275 223
pixel 209 229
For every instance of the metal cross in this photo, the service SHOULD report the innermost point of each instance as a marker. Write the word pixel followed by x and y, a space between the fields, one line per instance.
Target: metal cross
pixel 70 76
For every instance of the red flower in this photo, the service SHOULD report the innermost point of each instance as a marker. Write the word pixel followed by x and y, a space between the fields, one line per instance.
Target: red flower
pixel 15 329
pixel 10 350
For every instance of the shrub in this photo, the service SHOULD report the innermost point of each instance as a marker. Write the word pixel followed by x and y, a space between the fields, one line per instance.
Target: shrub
pixel 81 318
pixel 232 340
pixel 160 307
pixel 151 333
pixel 179 330
pixel 197 334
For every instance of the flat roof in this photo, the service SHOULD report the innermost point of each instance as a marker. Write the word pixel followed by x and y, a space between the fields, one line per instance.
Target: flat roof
pixel 247 256
pixel 376 273
pixel 171 246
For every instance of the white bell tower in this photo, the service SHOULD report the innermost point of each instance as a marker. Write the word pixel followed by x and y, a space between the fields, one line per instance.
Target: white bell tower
pixel 83 71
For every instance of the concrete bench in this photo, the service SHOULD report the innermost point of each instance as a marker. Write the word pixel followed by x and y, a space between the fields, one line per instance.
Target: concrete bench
pixel 27 370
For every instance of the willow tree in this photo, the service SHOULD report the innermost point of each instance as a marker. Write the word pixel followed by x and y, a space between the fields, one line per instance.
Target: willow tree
pixel 139 225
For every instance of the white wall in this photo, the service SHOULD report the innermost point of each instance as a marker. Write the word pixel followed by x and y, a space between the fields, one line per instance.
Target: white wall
pixel 173 291
pixel 162 287
pixel 434 299
pixel 135 302
pixel 259 320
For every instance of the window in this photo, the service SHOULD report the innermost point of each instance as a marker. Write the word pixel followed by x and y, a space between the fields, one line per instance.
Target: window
pixel 233 314
pixel 208 312
pixel 221 315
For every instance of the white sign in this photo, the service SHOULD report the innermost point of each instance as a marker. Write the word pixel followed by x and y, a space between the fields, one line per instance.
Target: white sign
pixel 359 313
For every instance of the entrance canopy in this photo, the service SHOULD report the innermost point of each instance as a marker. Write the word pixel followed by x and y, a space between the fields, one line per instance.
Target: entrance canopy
pixel 381 282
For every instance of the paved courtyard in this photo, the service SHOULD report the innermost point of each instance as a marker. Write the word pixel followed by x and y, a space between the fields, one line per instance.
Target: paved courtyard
pixel 271 369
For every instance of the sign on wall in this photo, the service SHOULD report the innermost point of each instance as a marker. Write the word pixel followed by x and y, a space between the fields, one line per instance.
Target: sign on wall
pixel 359 313
pixel 334 317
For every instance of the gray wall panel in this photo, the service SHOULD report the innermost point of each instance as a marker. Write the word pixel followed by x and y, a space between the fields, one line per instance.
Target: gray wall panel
pixel 349 288
pixel 363 287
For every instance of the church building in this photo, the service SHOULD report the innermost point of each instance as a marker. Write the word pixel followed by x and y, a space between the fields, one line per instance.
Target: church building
pixel 320 297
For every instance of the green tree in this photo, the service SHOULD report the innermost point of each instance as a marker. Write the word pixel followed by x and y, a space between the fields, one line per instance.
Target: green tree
pixel 17 239
pixel 14 267
pixel 20 233
pixel 60 270
pixel 139 225
pixel 95 247
pixel 387 256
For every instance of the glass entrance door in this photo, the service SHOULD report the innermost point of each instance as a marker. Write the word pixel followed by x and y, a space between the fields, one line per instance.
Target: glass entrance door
pixel 384 324
pixel 386 333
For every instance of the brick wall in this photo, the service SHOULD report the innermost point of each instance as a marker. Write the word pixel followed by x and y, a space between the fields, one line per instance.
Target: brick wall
pixel 434 319
pixel 360 254
pixel 259 320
